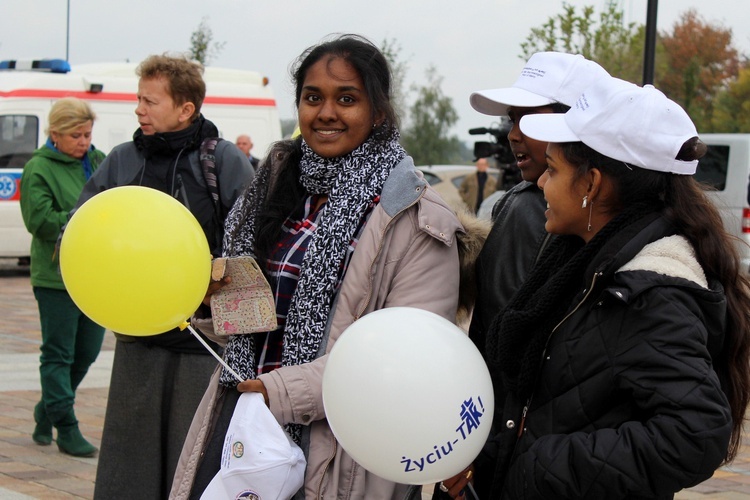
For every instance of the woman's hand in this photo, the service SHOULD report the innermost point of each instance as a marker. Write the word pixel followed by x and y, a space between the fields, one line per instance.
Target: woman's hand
pixel 215 286
pixel 218 280
pixel 253 386
pixel 455 485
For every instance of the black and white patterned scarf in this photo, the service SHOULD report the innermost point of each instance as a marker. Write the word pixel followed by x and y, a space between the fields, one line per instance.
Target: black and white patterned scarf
pixel 351 183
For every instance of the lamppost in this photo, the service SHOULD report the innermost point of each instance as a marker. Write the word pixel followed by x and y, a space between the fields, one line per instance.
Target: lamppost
pixel 67 34
pixel 650 45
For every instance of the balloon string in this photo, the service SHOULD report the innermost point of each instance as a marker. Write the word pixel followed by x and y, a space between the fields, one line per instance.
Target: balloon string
pixel 471 489
pixel 213 353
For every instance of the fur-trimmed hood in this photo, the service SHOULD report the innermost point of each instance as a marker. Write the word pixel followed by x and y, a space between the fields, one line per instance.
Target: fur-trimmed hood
pixel 470 243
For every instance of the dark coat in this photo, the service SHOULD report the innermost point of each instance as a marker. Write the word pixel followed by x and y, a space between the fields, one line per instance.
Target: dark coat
pixel 626 403
pixel 512 247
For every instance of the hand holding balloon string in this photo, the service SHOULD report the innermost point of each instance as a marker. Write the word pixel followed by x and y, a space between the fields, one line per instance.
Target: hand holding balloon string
pixel 458 485
pixel 213 287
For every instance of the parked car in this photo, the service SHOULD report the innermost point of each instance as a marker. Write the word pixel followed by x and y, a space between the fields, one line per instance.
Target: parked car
pixel 485 209
pixel 446 179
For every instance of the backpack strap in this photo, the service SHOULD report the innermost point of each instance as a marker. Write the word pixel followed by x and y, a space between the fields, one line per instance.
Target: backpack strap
pixel 208 167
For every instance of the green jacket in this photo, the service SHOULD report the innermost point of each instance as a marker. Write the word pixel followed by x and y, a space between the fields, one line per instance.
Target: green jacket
pixel 50 186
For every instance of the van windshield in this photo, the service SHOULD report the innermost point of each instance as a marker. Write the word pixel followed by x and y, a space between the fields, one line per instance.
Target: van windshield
pixel 713 168
pixel 18 139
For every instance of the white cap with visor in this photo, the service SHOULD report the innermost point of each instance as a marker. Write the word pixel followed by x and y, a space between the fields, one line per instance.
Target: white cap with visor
pixel 636 125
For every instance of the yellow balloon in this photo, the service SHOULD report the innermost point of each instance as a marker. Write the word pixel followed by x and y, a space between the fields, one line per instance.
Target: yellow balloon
pixel 135 260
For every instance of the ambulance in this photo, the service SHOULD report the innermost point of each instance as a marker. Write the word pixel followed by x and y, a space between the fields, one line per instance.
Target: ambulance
pixel 237 101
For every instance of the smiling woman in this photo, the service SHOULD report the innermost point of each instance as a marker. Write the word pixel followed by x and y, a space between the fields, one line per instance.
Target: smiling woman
pixel 335 115
pixel 339 216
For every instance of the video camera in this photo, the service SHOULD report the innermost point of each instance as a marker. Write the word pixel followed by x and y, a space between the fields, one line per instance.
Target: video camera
pixel 500 150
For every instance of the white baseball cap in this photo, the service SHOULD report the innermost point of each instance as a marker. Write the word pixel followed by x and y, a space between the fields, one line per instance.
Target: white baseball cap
pixel 259 460
pixel 637 125
pixel 547 78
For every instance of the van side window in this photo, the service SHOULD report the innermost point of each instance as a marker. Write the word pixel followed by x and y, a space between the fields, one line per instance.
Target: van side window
pixel 19 137
pixel 713 168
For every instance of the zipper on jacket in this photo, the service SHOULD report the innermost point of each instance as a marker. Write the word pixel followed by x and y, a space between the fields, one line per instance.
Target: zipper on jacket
pixel 328 465
pixel 544 352
pixel 572 311
pixel 523 417
pixel 181 192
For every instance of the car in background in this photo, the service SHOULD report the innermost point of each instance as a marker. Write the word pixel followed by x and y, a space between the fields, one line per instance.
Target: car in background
pixel 485 209
pixel 446 179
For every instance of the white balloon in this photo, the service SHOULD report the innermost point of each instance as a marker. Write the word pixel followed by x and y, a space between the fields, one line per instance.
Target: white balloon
pixel 408 395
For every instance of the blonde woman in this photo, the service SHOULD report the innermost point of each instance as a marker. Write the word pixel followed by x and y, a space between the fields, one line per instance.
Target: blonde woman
pixel 51 183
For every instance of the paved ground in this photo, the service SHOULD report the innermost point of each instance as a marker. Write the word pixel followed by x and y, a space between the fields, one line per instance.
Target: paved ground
pixel 30 471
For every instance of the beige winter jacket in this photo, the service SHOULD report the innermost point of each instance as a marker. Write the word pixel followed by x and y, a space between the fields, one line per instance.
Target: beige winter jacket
pixel 407 256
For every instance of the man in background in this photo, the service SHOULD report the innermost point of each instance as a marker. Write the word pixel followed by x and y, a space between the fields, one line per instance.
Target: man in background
pixel 246 144
pixel 477 186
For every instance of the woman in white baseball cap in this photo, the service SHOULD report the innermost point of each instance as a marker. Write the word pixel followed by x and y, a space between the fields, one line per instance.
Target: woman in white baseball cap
pixel 625 352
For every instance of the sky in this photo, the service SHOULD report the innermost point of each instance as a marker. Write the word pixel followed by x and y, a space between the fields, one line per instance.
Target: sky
pixel 474 44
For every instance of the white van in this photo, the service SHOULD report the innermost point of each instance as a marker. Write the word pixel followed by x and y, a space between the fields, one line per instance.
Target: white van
pixel 237 101
pixel 726 167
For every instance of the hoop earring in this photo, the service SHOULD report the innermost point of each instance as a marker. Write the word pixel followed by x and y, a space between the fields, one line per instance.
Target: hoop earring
pixel 591 208
pixel 585 201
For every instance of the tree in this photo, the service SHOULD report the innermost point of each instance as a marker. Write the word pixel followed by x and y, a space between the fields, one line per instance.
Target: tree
pixel 431 117
pixel 702 62
pixel 695 62
pixel 617 46
pixel 731 112
pixel 203 48
pixel 392 51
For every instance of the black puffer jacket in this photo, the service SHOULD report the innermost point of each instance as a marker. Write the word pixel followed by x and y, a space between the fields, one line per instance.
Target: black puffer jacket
pixel 626 404
pixel 515 240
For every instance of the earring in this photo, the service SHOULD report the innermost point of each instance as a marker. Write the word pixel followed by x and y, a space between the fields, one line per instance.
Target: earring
pixel 591 208
pixel 585 201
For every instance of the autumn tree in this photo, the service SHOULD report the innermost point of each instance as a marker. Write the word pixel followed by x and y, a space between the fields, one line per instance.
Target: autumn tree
pixel 702 62
pixel 431 117
pixel 694 63
pixel 203 48
pixel 731 110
